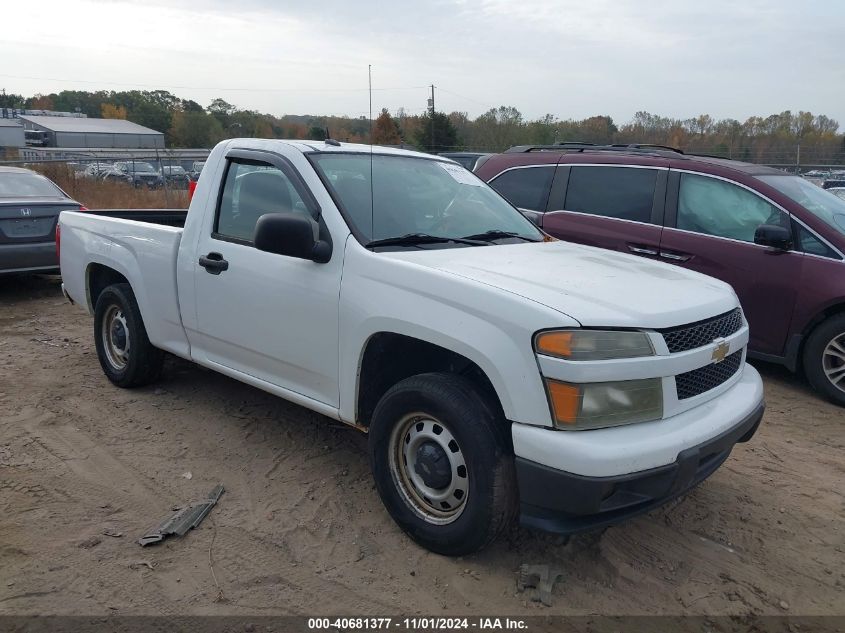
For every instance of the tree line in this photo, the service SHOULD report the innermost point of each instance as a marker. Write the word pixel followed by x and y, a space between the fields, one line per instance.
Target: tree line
pixel 784 138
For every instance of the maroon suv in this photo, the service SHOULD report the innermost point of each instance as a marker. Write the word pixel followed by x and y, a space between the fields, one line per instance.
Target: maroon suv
pixel 776 238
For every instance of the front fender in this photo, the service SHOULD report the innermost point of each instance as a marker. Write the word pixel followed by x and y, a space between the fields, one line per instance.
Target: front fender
pixel 490 327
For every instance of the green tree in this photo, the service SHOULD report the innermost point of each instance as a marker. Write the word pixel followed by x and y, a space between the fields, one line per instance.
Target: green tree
pixel 436 133
pixel 195 129
pixel 10 100
pixel 316 133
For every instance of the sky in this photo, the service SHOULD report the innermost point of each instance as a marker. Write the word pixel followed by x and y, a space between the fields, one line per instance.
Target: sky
pixel 571 59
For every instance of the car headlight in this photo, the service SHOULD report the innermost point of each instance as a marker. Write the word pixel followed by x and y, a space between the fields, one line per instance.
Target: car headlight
pixel 596 405
pixel 593 344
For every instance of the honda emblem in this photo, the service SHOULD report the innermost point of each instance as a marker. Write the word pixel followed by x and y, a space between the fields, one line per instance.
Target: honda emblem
pixel 26 212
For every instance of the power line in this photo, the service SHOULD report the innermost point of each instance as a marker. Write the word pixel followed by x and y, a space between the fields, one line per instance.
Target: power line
pixel 212 88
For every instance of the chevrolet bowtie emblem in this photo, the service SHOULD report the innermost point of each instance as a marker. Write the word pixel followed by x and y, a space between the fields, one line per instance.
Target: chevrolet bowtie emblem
pixel 720 351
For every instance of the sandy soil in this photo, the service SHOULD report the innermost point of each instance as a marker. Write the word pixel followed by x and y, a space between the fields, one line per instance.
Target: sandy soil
pixel 300 529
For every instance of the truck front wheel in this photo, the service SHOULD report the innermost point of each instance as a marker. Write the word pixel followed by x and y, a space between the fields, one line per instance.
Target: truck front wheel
pixel 126 355
pixel 442 463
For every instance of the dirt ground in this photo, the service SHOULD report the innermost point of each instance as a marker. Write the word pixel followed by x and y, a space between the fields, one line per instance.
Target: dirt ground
pixel 300 528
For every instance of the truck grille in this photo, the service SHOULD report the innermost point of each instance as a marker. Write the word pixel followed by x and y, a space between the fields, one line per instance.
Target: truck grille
pixel 697 381
pixel 693 335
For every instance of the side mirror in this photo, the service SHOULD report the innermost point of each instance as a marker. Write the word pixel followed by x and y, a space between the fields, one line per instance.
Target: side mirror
pixel 535 217
pixel 775 236
pixel 291 234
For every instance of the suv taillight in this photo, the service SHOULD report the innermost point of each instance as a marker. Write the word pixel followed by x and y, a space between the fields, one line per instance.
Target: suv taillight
pixel 58 240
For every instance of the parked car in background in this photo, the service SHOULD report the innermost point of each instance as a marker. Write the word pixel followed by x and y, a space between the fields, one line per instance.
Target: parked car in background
pixel 495 371
pixel 176 176
pixel 839 192
pixel 834 181
pixel 778 239
pixel 96 171
pixel 469 160
pixel 138 174
pixel 196 169
pixel 29 209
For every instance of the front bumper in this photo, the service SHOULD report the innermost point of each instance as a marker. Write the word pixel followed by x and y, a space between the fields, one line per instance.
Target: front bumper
pixel 562 502
pixel 555 500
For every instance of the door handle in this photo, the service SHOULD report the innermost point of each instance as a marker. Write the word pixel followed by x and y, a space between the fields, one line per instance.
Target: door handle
pixel 214 263
pixel 642 250
pixel 675 257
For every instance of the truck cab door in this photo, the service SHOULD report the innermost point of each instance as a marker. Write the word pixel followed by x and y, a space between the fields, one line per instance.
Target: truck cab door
pixel 266 316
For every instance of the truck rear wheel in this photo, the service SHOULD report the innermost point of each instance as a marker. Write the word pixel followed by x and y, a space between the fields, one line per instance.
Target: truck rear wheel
pixel 126 355
pixel 824 359
pixel 442 463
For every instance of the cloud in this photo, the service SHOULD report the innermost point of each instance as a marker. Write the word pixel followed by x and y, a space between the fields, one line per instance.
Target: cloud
pixel 569 58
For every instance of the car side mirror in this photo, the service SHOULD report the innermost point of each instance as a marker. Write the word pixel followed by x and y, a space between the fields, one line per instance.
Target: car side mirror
pixel 774 236
pixel 292 235
pixel 535 217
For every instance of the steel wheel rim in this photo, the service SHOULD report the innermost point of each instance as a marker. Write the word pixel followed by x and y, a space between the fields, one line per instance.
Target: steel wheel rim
pixel 833 361
pixel 115 335
pixel 420 431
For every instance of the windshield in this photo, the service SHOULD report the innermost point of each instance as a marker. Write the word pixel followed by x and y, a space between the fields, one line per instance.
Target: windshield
pixel 417 196
pixel 822 204
pixel 25 185
pixel 145 167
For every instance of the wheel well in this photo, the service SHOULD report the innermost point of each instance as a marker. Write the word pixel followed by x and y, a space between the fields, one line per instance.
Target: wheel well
pixel 390 358
pixel 99 278
pixel 817 320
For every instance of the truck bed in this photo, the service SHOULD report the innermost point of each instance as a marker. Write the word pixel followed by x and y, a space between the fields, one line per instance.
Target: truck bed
pixel 166 217
pixel 142 245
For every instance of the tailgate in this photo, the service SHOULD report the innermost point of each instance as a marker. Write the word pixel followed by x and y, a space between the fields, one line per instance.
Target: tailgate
pixel 22 222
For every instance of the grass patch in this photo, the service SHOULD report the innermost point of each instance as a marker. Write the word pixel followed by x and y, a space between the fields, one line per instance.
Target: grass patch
pixel 101 194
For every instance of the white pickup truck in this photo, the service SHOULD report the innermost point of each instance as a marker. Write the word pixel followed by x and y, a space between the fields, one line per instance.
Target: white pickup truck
pixel 498 372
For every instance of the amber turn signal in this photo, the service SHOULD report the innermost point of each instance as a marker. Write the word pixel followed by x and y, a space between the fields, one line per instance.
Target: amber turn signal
pixel 566 401
pixel 555 343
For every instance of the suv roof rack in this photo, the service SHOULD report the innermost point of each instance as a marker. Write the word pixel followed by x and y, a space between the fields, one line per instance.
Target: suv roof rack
pixel 577 146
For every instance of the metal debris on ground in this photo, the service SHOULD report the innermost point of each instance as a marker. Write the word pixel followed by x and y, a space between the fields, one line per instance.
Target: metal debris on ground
pixel 185 519
pixel 540 578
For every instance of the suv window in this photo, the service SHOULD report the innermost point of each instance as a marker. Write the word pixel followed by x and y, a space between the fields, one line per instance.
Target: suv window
pixel 715 207
pixel 526 188
pixel 252 189
pixel 809 243
pixel 626 193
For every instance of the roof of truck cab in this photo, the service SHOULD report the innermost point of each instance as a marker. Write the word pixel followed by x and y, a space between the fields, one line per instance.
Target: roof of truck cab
pixel 307 147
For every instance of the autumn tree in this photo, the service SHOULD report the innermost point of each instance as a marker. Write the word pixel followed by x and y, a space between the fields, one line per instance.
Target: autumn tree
pixel 385 130
pixel 111 111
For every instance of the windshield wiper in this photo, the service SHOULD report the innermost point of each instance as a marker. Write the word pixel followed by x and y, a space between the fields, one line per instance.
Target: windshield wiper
pixel 496 234
pixel 412 239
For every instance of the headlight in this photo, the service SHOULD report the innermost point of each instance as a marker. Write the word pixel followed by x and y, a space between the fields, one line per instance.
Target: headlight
pixel 601 404
pixel 593 344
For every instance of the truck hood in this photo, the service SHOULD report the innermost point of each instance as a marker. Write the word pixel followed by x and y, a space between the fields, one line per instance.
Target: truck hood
pixel 596 287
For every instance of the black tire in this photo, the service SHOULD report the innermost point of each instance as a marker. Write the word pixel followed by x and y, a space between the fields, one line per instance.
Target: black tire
pixel 488 505
pixel 823 359
pixel 117 312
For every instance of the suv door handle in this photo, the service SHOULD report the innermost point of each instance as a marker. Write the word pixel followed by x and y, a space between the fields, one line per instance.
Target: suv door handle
pixel 675 257
pixel 642 250
pixel 214 263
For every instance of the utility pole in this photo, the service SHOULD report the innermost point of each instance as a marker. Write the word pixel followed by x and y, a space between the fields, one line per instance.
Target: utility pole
pixel 431 114
pixel 798 160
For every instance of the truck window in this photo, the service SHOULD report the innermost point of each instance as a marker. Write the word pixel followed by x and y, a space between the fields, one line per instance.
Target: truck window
pixel 527 187
pixel 252 189
pixel 626 193
pixel 715 207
